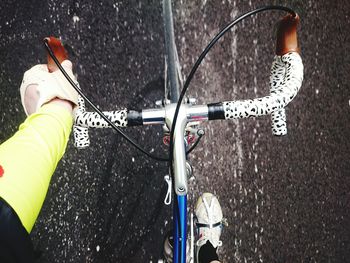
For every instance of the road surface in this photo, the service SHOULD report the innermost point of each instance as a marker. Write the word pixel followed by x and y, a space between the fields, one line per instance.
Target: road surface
pixel 286 199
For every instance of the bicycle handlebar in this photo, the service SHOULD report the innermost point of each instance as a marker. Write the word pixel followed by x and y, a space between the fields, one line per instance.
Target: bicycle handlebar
pixel 285 81
pixel 287 40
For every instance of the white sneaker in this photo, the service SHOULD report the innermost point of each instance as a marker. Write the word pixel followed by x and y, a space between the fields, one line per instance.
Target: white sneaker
pixel 209 218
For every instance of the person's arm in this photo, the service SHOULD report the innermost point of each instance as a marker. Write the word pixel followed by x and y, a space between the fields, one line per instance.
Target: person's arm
pixel 29 158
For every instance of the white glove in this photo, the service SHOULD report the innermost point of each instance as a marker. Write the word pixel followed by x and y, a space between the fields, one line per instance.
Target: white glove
pixel 47 86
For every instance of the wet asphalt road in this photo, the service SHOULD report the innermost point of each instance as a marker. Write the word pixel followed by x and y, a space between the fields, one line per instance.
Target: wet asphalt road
pixel 286 199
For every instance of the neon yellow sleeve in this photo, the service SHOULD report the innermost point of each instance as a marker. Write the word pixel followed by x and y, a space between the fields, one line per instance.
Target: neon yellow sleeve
pixel 29 158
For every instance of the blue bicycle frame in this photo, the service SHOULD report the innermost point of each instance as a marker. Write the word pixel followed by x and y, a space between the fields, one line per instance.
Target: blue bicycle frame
pixel 180 221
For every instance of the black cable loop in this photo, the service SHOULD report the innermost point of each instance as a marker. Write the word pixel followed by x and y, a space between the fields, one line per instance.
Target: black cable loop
pixel 186 85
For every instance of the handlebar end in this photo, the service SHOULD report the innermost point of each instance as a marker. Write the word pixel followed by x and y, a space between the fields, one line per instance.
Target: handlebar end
pixel 279 123
pixel 287 40
pixel 81 137
pixel 57 48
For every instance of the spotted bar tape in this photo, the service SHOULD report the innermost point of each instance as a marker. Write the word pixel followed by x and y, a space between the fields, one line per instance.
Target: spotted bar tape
pixel 85 120
pixel 81 134
pixel 94 120
pixel 285 81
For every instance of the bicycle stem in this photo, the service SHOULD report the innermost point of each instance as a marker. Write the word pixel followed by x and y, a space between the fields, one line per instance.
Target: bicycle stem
pixel 166 115
pixel 179 153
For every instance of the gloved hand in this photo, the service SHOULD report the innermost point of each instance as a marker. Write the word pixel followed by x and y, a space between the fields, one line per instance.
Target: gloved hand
pixel 39 86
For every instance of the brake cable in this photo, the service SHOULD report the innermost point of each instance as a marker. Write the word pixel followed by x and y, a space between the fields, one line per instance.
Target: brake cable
pixel 185 87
